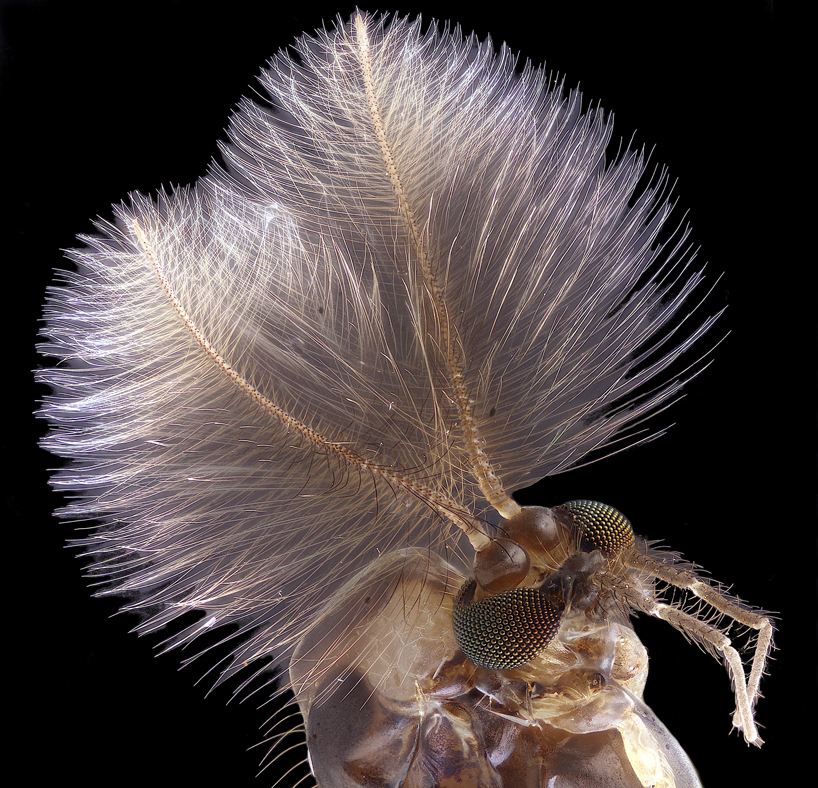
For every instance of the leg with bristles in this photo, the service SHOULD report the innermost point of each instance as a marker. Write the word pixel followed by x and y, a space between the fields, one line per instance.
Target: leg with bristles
pixel 746 690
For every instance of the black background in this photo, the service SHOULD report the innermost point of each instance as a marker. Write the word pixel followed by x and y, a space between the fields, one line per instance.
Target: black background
pixel 100 99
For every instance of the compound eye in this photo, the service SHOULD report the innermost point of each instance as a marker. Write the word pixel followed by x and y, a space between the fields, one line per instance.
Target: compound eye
pixel 601 527
pixel 506 630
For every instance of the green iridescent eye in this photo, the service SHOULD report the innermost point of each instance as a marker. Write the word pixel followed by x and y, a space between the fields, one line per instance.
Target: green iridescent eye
pixel 506 630
pixel 601 527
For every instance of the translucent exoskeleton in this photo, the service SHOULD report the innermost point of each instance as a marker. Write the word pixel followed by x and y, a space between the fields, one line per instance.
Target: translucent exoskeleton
pixel 302 393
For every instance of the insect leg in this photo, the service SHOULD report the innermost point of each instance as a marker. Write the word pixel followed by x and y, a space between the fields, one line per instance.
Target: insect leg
pixel 746 691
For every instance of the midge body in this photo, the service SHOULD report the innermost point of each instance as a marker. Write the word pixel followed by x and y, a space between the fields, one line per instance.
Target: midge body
pixel 300 395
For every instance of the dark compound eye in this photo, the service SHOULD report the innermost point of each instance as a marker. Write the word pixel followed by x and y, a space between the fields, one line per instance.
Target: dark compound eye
pixel 601 527
pixel 506 630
